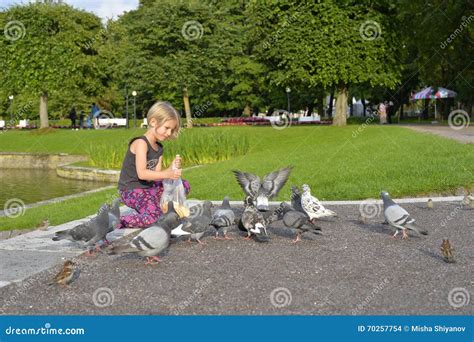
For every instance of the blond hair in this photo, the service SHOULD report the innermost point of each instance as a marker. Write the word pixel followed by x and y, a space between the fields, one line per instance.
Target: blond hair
pixel 163 111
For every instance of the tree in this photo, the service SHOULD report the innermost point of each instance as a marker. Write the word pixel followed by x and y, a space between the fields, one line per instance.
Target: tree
pixel 47 52
pixel 326 44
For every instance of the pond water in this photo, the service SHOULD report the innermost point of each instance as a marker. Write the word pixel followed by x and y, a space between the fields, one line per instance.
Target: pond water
pixel 32 185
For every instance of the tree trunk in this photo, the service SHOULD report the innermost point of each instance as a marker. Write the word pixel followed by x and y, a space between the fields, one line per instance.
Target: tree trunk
pixel 187 108
pixel 247 110
pixel 331 100
pixel 340 118
pixel 321 105
pixel 364 107
pixel 43 110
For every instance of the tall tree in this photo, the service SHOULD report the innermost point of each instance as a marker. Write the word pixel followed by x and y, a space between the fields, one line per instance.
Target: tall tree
pixel 46 53
pixel 327 44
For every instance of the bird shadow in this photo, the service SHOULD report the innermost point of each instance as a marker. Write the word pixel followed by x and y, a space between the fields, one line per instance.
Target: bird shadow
pixel 433 255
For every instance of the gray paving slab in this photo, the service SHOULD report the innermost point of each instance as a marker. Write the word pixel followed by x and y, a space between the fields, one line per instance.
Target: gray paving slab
pixel 351 268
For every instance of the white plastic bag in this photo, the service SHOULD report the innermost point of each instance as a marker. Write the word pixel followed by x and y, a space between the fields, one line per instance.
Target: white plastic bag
pixel 173 190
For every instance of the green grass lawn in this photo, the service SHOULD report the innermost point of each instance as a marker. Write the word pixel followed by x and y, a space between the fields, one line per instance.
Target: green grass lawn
pixel 338 163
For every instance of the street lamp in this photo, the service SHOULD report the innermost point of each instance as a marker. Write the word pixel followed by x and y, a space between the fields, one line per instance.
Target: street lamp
pixel 126 106
pixel 288 90
pixel 134 94
pixel 11 108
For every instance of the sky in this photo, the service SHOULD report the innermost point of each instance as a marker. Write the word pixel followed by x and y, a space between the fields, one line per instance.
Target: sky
pixel 103 8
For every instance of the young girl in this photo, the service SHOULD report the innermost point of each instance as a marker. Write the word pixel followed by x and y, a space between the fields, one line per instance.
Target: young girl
pixel 140 184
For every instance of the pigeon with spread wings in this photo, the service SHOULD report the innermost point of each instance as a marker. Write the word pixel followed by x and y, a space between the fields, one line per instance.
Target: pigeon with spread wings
pixel 261 191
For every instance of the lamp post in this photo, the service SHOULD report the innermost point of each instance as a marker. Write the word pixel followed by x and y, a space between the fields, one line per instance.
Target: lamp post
pixel 126 106
pixel 11 108
pixel 288 90
pixel 134 94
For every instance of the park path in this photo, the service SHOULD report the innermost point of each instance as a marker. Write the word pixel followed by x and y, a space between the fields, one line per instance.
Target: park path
pixel 352 268
pixel 464 135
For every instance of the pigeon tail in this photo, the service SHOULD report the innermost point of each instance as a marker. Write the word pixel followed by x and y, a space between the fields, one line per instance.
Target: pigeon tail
pixel 417 229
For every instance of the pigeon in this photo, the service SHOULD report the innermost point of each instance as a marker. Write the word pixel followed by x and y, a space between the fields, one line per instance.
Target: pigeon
pixel 398 217
pixel 65 276
pixel 155 239
pixel 259 191
pixel 253 222
pixel 447 251
pixel 296 220
pixel 223 218
pixel 312 206
pixel 468 200
pixel 199 222
pixel 114 215
pixel 429 204
pixel 88 233
pixel 43 225
pixel 296 199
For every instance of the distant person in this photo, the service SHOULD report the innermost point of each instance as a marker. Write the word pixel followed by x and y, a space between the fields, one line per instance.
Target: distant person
pixel 94 113
pixel 82 115
pixel 382 113
pixel 73 117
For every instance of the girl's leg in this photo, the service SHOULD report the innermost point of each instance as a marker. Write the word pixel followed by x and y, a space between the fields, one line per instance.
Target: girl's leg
pixel 146 203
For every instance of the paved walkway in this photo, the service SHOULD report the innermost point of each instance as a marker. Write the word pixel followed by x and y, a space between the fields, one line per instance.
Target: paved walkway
pixel 352 268
pixel 465 135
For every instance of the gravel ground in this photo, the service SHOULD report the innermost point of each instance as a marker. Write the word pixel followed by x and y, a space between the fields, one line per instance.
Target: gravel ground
pixel 351 268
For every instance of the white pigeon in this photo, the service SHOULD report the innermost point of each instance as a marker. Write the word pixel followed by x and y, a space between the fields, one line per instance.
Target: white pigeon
pixel 398 217
pixel 312 206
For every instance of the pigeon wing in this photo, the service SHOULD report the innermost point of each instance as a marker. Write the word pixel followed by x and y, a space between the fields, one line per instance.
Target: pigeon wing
pixel 249 182
pixel 274 181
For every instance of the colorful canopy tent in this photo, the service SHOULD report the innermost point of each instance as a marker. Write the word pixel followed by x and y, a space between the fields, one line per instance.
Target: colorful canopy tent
pixel 434 93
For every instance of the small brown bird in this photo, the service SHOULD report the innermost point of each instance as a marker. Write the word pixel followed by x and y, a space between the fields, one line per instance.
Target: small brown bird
pixel 430 204
pixel 447 251
pixel 43 225
pixel 64 277
pixel 363 219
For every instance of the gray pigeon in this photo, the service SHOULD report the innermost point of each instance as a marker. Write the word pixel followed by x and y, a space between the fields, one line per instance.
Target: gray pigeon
pixel 199 222
pixel 253 222
pixel 398 217
pixel 223 218
pixel 296 220
pixel 153 240
pixel 296 199
pixel 259 191
pixel 114 215
pixel 88 233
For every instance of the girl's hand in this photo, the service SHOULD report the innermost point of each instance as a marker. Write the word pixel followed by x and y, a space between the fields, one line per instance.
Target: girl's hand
pixel 177 162
pixel 172 174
